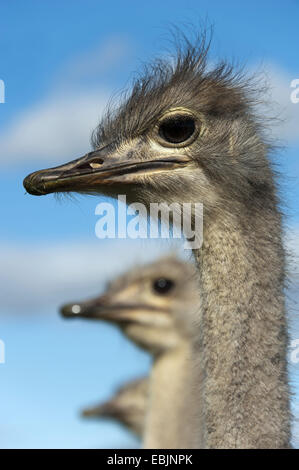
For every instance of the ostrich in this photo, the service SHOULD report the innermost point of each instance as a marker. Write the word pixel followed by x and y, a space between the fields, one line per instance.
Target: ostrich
pixel 127 406
pixel 189 133
pixel 154 306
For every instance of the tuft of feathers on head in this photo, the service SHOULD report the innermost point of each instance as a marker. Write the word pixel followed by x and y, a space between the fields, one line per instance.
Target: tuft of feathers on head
pixel 182 79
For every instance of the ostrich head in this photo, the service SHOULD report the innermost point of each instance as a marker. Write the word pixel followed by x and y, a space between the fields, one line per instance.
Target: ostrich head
pixel 185 133
pixel 147 303
pixel 128 406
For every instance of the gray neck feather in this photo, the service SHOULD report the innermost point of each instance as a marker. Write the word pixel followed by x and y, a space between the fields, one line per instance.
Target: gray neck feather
pixel 244 396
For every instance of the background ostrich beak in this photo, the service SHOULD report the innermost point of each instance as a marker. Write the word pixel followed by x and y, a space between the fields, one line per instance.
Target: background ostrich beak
pixel 88 309
pixel 107 409
pixel 96 169
pixel 100 310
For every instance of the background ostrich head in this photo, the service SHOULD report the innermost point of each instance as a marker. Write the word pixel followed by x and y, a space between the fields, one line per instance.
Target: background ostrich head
pixel 127 406
pixel 183 126
pixel 151 304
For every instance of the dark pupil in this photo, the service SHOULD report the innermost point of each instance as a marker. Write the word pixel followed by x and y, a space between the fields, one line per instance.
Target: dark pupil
pixel 162 286
pixel 177 129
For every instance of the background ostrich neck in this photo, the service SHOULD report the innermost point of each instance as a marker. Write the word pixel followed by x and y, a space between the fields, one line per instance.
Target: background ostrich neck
pixel 172 419
pixel 245 397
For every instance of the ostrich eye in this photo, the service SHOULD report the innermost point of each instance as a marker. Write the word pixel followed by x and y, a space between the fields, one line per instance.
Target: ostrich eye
pixel 162 285
pixel 177 129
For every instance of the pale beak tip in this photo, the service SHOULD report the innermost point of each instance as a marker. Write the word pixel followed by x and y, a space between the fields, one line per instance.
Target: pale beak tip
pixel 70 310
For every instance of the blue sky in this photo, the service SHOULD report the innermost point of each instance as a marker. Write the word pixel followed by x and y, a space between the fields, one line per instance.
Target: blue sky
pixel 61 61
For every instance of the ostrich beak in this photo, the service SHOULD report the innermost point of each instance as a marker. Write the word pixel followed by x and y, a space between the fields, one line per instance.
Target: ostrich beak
pixel 98 310
pixel 97 169
pixel 103 309
pixel 107 409
pixel 95 310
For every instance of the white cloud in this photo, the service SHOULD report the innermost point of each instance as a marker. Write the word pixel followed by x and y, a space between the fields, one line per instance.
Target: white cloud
pixel 59 127
pixel 56 130
pixel 281 105
pixel 35 278
pixel 93 64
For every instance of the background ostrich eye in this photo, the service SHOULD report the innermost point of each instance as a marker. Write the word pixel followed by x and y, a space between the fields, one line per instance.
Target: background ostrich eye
pixel 163 286
pixel 177 129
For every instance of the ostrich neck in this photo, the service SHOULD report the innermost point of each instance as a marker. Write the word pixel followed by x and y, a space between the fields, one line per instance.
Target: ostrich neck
pixel 171 419
pixel 244 395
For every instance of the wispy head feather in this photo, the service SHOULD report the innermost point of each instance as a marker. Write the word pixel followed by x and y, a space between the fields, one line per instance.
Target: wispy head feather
pixel 182 79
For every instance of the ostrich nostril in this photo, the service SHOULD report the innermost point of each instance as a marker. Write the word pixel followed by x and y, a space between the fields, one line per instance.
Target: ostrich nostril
pixel 94 164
